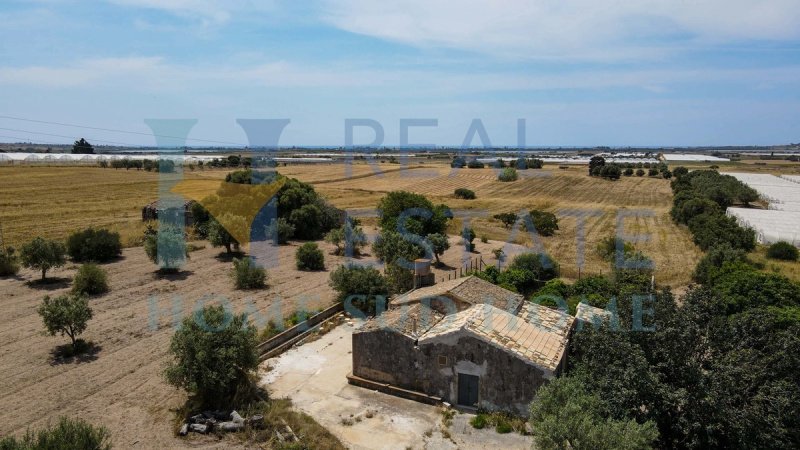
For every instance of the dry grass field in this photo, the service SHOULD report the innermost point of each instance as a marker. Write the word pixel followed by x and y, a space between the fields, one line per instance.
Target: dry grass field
pixel 54 201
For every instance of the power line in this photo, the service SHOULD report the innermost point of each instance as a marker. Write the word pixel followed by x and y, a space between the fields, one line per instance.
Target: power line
pixel 111 130
pixel 69 137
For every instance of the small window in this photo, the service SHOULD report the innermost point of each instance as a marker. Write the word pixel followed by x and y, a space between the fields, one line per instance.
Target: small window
pixel 442 360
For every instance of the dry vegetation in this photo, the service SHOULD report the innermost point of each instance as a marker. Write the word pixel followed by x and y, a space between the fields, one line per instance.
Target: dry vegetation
pixel 55 201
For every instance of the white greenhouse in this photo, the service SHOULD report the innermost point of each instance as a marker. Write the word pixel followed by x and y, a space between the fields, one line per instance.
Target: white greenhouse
pixel 770 226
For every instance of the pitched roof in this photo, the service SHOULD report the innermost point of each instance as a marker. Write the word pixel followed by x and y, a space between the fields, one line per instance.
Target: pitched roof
pixel 471 289
pixel 538 344
pixel 590 314
pixel 409 320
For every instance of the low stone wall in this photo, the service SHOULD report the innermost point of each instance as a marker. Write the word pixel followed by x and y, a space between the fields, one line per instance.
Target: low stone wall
pixel 278 343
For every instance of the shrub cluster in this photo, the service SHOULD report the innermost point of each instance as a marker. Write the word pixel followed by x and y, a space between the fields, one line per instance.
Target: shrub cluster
pixel 526 273
pixel 363 285
pixel 67 434
pixel 91 279
pixel 93 245
pixel 310 257
pixel 545 223
pixel 247 275
pixel 9 262
pixel 465 194
pixel 508 174
pixel 783 251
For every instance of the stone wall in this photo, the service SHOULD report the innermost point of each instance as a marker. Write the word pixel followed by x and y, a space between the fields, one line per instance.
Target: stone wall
pixel 506 382
pixel 386 357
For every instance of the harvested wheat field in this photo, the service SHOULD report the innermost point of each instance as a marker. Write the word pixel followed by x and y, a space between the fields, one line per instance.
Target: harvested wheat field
pixel 54 201
pixel 580 201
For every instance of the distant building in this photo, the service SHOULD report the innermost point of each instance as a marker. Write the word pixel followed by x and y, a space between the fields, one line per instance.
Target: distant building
pixel 466 342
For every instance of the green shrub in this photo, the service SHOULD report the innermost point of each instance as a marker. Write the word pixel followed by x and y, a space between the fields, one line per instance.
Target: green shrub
pixel 628 172
pixel 503 428
pixel 475 164
pixel 468 234
pixel 247 275
pixel 366 283
pixel 9 262
pixel 167 248
pixel 310 257
pixel 508 174
pixel 67 435
pixel 465 193
pixel 478 422
pixel 544 222
pixel 280 231
pixel 91 279
pixel 93 245
pixel 783 251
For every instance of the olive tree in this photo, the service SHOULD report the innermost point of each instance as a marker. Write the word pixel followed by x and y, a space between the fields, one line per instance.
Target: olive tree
pixel 67 315
pixel 213 354
pixel 41 254
pixel 167 248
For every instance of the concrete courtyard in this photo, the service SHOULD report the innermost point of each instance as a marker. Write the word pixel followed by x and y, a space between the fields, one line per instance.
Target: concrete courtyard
pixel 313 377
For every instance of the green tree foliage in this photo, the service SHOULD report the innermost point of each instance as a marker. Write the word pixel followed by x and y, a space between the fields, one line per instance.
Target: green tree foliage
pixel 465 194
pixel 213 353
pixel 565 415
pixel 741 287
pixel 458 162
pixel 247 275
pixel 67 315
pixel 594 163
pixel 508 219
pixel 349 239
pixel 639 172
pixel 535 163
pixel 710 230
pixel 91 279
pixel 68 434
pixel 310 257
pixel 628 172
pixel 167 248
pixel 613 247
pixel 280 231
pixel 528 272
pixel 545 223
pixel 307 221
pixel 439 244
pixel 82 146
pixel 94 245
pixel 392 247
pixel 363 285
pixel 609 171
pixel 475 164
pixel 41 254
pixel 680 171
pixel 399 279
pixel 508 174
pixel 220 236
pixel 200 219
pixel 708 268
pixel 683 211
pixel 468 235
pixel 783 251
pixel 420 216
pixel 9 262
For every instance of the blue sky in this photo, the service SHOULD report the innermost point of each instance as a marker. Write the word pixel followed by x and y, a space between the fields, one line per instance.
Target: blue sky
pixel 581 72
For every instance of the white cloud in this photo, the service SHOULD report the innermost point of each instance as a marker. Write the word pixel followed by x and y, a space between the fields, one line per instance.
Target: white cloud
pixel 88 71
pixel 585 29
pixel 209 12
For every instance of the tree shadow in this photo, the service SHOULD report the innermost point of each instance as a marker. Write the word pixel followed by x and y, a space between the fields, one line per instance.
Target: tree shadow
pixel 228 257
pixel 83 352
pixel 49 284
pixel 172 276
pixel 444 266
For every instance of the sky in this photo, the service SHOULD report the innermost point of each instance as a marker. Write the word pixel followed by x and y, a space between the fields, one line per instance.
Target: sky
pixel 579 72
